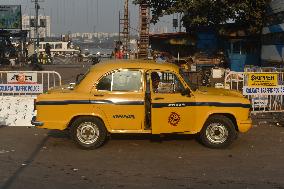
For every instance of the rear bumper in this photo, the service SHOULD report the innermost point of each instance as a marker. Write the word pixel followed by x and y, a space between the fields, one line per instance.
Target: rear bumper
pixel 36 123
pixel 244 126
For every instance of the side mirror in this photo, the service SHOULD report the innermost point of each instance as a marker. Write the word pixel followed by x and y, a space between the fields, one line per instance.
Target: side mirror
pixel 186 92
pixel 78 77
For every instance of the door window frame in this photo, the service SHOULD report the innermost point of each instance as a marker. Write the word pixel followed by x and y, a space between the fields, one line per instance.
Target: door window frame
pixel 182 82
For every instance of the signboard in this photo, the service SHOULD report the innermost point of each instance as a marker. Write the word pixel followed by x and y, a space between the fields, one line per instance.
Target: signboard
pixel 10 17
pixel 21 78
pixel 21 82
pixel 262 79
pixel 278 90
pixel 21 88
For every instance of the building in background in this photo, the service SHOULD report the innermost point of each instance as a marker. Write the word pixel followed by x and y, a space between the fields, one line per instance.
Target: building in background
pixel 272 49
pixel 28 23
pixel 99 35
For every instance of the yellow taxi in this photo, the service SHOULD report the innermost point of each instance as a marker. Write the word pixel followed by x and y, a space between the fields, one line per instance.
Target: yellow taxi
pixel 138 96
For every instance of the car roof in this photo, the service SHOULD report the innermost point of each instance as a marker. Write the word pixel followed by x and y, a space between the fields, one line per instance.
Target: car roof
pixel 141 64
pixel 99 69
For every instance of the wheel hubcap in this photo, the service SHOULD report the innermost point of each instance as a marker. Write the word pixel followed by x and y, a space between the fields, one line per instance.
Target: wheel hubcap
pixel 87 132
pixel 217 133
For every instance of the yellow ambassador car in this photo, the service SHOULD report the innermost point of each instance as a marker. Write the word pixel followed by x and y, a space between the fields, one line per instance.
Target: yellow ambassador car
pixel 142 97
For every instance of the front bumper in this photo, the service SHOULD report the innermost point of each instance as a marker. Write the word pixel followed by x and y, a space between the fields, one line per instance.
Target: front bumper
pixel 244 126
pixel 36 123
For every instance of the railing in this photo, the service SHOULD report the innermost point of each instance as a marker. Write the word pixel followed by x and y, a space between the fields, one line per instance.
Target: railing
pixel 42 80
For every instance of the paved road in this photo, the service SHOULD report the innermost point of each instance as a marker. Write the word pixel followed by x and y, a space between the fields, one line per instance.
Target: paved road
pixel 35 158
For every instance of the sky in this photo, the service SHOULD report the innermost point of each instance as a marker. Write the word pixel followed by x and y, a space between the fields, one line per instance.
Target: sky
pixel 85 15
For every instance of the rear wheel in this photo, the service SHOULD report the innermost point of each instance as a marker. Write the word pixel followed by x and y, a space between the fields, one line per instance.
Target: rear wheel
pixel 218 132
pixel 88 132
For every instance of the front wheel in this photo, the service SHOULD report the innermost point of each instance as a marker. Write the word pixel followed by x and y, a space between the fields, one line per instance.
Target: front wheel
pixel 218 132
pixel 88 132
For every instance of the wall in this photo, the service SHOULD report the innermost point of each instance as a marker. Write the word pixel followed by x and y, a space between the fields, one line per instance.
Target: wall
pixel 16 111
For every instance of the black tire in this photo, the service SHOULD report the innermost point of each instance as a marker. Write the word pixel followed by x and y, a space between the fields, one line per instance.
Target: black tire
pixel 93 126
pixel 223 135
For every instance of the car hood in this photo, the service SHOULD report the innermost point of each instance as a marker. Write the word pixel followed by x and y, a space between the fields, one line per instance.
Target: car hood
pixel 60 89
pixel 221 92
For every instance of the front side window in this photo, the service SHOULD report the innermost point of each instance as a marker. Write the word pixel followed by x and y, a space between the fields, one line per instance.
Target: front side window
pixel 166 82
pixel 124 80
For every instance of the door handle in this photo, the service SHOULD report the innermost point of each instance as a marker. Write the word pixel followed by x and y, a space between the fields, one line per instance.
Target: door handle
pixel 158 98
pixel 98 95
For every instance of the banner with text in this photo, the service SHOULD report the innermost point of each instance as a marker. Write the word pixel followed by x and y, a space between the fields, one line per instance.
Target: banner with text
pixel 21 88
pixel 278 90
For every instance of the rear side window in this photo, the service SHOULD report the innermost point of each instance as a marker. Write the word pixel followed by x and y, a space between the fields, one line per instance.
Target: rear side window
pixel 124 80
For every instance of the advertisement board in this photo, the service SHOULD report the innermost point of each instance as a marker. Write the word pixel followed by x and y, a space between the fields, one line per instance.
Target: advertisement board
pixel 262 79
pixel 10 17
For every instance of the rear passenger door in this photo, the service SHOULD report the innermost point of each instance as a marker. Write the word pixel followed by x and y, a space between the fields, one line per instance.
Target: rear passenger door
pixel 120 96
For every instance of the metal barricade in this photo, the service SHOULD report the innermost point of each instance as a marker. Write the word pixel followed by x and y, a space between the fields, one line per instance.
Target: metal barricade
pixel 47 79
pixel 262 99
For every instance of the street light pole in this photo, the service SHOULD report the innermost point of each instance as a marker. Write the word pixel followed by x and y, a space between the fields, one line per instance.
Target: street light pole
pixel 179 22
pixel 36 44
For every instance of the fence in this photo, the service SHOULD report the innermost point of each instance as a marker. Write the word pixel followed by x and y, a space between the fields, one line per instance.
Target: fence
pixel 18 89
pixel 264 89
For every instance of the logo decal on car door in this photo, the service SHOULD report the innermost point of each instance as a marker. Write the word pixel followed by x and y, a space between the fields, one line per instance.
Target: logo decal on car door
pixel 174 119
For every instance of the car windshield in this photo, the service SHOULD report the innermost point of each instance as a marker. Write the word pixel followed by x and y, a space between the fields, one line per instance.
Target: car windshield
pixel 186 79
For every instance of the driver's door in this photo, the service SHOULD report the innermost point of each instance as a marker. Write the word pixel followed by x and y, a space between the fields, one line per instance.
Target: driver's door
pixel 171 111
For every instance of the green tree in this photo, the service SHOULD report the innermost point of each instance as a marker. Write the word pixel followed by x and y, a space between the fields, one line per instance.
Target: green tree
pixel 249 13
